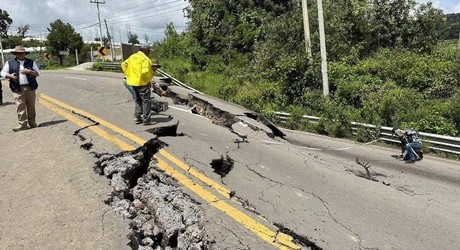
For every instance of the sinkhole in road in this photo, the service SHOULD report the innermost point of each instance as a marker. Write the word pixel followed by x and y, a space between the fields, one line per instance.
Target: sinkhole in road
pixel 161 215
pixel 222 166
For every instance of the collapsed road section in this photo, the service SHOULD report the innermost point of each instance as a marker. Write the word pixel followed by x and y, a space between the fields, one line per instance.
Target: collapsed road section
pixel 161 215
pixel 224 113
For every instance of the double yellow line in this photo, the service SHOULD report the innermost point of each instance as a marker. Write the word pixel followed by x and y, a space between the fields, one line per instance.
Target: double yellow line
pixel 277 239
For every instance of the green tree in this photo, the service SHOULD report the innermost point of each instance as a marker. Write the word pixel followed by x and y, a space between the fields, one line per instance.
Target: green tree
pixel 22 30
pixel 5 22
pixel 232 24
pixel 12 41
pixel 63 37
pixel 133 38
pixel 450 29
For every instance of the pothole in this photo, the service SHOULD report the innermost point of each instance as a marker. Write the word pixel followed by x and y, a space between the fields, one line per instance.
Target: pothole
pixel 161 215
pixel 222 166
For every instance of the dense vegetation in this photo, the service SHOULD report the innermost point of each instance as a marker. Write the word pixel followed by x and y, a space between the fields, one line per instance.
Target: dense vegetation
pixel 389 62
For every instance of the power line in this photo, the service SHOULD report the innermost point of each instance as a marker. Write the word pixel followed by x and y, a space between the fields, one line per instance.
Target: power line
pixel 153 17
pixel 127 14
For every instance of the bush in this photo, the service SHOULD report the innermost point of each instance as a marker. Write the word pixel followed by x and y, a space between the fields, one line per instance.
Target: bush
pixel 433 123
pixel 97 66
pixel 364 134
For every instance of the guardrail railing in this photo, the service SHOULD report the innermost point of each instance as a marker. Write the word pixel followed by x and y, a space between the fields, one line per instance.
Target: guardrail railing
pixel 109 65
pixel 177 82
pixel 447 144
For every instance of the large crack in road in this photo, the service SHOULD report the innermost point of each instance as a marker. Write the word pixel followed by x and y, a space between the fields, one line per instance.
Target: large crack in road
pixel 161 215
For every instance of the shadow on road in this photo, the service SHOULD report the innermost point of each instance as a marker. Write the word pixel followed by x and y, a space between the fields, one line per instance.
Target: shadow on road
pixel 7 103
pixel 162 118
pixel 51 123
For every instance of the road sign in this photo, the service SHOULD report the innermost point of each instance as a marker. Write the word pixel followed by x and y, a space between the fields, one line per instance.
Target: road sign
pixel 63 53
pixel 102 51
pixel 47 56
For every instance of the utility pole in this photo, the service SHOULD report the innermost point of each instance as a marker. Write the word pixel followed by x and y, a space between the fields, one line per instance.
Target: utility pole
pixel 322 39
pixel 1 50
pixel 99 17
pixel 110 38
pixel 306 25
pixel 121 44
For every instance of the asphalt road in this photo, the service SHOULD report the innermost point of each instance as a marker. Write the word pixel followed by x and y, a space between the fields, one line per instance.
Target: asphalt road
pixel 309 185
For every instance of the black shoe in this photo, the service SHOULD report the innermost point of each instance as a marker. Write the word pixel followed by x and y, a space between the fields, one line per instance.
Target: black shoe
pixel 137 120
pixel 33 125
pixel 17 129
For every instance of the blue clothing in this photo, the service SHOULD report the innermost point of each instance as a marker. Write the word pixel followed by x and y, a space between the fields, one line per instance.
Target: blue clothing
pixel 130 89
pixel 409 153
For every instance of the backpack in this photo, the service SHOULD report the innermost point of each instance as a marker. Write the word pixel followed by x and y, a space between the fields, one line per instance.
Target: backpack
pixel 411 135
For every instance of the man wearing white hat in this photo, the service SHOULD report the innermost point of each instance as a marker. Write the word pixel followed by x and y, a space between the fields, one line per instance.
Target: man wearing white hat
pixel 22 73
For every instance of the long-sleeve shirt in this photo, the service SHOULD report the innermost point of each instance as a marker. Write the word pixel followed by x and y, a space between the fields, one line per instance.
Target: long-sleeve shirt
pixel 138 69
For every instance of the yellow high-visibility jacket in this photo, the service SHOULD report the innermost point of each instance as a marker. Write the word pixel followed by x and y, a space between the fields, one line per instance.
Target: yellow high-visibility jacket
pixel 138 69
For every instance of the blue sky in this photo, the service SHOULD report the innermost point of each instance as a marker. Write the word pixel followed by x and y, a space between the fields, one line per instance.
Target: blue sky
pixel 142 17
pixel 449 6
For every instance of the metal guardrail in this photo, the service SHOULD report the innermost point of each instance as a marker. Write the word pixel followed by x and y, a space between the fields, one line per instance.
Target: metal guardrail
pixel 447 144
pixel 108 65
pixel 177 82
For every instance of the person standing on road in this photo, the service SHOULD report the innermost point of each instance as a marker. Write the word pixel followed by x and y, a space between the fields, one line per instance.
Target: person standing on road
pixel 138 71
pixel 22 73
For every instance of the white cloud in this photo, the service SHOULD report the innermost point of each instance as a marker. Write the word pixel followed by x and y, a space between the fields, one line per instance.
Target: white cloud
pixel 448 6
pixel 143 16
pixel 456 8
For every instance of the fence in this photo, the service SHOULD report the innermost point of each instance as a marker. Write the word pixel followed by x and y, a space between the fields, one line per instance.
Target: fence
pixel 114 66
pixel 435 142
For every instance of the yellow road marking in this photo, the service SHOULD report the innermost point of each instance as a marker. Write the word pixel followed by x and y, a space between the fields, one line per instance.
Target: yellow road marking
pixel 121 144
pixel 283 242
pixel 208 181
pixel 225 192
pixel 279 240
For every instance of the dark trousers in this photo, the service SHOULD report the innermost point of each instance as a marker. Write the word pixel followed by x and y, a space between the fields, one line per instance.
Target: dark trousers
pixel 143 106
pixel 1 93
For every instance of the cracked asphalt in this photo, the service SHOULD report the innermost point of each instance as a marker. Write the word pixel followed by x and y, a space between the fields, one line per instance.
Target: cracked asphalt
pixel 301 185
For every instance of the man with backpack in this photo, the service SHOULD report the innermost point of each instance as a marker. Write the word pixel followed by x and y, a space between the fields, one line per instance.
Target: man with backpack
pixel 411 144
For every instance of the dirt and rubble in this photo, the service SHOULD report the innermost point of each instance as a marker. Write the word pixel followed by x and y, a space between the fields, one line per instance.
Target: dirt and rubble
pixel 161 215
